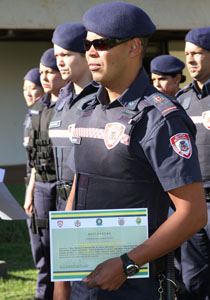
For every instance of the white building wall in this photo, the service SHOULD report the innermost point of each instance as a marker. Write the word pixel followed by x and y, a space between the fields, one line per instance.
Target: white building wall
pixel 47 14
pixel 16 59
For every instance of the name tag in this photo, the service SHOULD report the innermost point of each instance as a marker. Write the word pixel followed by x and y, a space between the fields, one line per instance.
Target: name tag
pixel 76 140
pixel 34 112
pixel 55 124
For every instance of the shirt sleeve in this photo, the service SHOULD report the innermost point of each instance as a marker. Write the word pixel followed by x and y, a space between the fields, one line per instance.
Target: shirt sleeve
pixel 169 146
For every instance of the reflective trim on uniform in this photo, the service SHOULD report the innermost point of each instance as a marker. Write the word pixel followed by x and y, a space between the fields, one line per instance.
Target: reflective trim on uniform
pixel 97 133
pixel 169 109
pixel 197 119
pixel 58 133
pixel 204 119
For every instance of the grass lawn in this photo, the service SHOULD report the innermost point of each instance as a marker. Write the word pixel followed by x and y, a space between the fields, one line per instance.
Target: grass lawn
pixel 15 249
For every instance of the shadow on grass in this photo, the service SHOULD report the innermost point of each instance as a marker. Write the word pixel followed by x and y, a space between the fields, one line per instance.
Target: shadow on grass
pixel 14 238
pixel 17 256
pixel 17 277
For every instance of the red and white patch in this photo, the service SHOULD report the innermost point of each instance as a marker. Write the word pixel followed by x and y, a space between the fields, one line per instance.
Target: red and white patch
pixel 206 119
pixel 71 128
pixel 181 144
pixel 112 134
pixel 60 223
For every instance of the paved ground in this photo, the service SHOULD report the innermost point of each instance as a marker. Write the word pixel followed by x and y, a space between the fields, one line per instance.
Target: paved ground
pixel 14 174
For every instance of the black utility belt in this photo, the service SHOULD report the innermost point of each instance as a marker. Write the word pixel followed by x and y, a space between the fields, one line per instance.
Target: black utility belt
pixel 63 190
pixel 45 177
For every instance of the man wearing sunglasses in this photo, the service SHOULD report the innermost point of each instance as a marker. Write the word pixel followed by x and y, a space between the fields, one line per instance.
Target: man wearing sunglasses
pixel 141 153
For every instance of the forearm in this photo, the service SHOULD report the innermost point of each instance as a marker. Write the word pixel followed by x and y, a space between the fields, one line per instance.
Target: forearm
pixel 28 205
pixel 71 196
pixel 189 217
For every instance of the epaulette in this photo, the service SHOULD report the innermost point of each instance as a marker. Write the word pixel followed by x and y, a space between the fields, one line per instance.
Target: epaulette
pixel 60 104
pixel 184 90
pixel 162 103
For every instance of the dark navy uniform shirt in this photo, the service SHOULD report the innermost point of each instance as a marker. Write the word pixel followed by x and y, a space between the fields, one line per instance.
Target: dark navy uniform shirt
pixel 156 139
pixel 196 102
pixel 128 160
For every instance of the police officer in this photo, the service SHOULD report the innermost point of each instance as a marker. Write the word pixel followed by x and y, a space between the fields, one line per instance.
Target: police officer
pixel 166 74
pixel 195 98
pixel 140 148
pixel 32 91
pixel 70 55
pixel 32 88
pixel 41 190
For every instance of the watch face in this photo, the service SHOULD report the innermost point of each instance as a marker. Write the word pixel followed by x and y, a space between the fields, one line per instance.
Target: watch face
pixel 132 270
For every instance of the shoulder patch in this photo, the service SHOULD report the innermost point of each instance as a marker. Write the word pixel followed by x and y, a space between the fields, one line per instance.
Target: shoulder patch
pixel 181 144
pixel 158 98
pixel 162 103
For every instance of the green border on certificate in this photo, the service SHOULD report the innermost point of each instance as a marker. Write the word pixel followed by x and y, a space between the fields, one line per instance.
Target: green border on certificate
pixel 80 240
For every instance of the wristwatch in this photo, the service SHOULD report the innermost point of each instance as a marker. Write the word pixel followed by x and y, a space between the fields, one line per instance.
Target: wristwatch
pixel 130 268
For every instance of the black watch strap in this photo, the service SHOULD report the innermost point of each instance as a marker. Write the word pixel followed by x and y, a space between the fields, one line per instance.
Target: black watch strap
pixel 127 260
pixel 130 268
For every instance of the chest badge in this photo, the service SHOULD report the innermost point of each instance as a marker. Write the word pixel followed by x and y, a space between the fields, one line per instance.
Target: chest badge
pixel 181 144
pixel 71 132
pixel 206 119
pixel 112 134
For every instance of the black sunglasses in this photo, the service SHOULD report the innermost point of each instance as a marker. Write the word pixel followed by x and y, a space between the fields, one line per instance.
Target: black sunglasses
pixel 104 44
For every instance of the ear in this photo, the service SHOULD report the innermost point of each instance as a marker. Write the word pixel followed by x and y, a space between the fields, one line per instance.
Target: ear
pixel 135 47
pixel 178 78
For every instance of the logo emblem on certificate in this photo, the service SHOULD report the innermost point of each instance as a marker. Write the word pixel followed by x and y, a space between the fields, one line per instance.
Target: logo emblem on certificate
pixel 77 223
pixel 60 223
pixel 99 222
pixel 121 221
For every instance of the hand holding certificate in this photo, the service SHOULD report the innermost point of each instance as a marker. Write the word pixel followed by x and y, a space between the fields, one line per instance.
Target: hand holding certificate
pixel 82 240
pixel 107 275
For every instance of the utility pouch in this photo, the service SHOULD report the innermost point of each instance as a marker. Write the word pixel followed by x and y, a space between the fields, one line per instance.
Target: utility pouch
pixel 63 190
pixel 158 266
pixel 33 225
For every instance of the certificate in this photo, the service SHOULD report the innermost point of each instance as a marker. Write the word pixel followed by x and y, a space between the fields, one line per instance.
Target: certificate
pixel 80 240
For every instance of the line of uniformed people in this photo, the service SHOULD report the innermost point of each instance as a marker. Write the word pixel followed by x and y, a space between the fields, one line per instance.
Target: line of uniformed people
pixel 67 82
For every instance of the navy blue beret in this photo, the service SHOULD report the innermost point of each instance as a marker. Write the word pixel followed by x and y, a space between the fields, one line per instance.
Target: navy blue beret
pixel 166 64
pixel 48 59
pixel 118 20
pixel 33 75
pixel 70 36
pixel 199 36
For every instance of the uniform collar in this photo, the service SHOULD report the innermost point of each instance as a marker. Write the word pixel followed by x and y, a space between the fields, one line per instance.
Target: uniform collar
pixel 68 95
pixel 88 89
pixel 130 97
pixel 46 100
pixel 205 90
